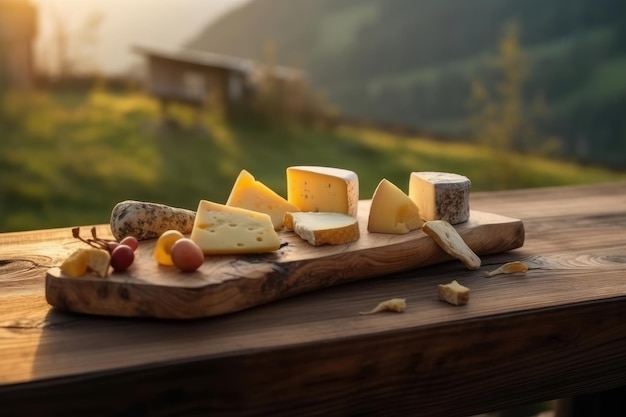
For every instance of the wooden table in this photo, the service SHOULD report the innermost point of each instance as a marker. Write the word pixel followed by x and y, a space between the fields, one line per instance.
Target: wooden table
pixel 557 331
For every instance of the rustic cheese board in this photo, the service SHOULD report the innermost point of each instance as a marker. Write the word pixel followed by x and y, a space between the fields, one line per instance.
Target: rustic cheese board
pixel 227 284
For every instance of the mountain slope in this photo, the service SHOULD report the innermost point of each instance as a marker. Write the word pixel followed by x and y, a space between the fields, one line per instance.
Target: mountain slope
pixel 412 61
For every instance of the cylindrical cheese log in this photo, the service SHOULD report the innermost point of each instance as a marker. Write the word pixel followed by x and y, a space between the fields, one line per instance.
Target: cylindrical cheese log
pixel 441 196
pixel 145 220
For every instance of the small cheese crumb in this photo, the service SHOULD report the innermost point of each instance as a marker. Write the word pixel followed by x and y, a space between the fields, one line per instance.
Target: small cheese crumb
pixel 509 268
pixel 395 304
pixel 454 293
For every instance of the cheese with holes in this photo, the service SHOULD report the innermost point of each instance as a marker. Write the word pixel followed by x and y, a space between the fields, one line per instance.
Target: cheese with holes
pixel 251 194
pixel 323 228
pixel 392 211
pixel 219 230
pixel 324 189
pixel 441 196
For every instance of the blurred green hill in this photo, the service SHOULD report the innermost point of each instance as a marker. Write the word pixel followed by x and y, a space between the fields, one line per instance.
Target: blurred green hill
pixel 67 158
pixel 413 61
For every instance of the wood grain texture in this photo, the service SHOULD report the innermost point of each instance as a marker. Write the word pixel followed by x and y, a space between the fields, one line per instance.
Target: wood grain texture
pixel 226 284
pixel 557 330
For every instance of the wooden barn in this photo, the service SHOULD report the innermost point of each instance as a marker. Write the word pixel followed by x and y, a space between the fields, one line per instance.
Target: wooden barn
pixel 18 28
pixel 208 80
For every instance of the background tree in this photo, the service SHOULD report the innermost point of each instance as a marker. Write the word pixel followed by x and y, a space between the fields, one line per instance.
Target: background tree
pixel 502 117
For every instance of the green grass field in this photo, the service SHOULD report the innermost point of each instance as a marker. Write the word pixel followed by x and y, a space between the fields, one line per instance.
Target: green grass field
pixel 67 159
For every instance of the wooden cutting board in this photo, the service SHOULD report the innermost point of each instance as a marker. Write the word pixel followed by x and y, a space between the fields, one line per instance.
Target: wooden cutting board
pixel 226 284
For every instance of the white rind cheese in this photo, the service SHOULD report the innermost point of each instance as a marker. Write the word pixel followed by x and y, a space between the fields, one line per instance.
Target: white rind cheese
pixel 441 196
pixel 223 230
pixel 320 228
pixel 392 211
pixel 323 189
pixel 251 194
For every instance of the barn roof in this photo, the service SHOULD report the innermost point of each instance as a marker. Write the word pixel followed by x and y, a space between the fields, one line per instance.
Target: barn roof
pixel 209 59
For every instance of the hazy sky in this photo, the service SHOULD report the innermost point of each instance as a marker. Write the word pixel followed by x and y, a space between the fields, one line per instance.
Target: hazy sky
pixel 166 23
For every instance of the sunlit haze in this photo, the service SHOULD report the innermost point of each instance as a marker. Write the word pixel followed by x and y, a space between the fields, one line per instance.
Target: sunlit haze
pixel 124 23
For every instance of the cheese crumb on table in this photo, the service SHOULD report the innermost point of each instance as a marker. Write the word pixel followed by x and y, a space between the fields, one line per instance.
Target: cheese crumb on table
pixel 509 268
pixel 397 305
pixel 453 293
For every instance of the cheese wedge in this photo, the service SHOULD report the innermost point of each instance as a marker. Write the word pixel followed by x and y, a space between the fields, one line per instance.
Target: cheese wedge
pixel 324 189
pixel 251 194
pixel 392 211
pixel 441 196
pixel 76 264
pixel 99 261
pixel 322 228
pixel 87 259
pixel 219 230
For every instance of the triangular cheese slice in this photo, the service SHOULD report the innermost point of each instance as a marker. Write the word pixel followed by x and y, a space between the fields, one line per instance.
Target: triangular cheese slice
pixel 222 230
pixel 251 194
pixel 392 211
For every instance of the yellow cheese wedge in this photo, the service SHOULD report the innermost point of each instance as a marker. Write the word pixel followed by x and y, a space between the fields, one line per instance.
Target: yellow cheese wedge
pixel 99 261
pixel 324 189
pixel 322 228
pixel 87 259
pixel 219 230
pixel 251 194
pixel 76 264
pixel 441 196
pixel 392 211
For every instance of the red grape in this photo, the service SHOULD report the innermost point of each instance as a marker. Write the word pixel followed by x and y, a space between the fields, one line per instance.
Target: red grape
pixel 187 255
pixel 122 257
pixel 130 241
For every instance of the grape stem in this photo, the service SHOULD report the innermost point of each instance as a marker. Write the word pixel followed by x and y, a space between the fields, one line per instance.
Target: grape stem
pixel 96 242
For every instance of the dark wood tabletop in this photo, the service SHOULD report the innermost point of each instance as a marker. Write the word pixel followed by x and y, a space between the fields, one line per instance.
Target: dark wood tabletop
pixel 558 330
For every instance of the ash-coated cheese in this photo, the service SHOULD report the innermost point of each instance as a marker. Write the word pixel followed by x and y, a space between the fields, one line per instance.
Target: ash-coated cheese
pixel 392 211
pixel 323 189
pixel 322 228
pixel 222 230
pixel 441 196
pixel 146 220
pixel 251 194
